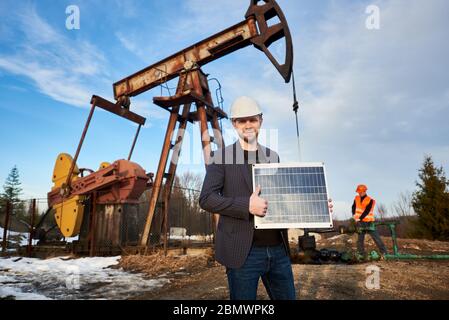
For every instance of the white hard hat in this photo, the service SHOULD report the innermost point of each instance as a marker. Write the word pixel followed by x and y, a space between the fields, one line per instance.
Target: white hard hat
pixel 244 107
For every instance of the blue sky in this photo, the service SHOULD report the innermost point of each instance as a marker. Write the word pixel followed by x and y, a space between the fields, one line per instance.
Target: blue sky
pixel 373 102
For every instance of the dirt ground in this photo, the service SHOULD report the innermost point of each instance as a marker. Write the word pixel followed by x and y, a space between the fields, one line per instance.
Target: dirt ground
pixel 200 277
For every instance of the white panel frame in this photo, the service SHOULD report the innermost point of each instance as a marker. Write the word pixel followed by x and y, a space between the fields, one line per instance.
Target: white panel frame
pixel 259 221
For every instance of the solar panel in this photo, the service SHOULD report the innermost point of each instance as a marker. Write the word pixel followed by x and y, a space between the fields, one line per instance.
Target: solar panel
pixel 296 194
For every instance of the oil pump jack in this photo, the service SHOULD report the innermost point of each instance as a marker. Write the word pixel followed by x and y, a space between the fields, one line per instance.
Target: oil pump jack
pixel 123 181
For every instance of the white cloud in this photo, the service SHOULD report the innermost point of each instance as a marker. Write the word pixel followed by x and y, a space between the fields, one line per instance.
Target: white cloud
pixel 65 70
pixel 128 8
pixel 148 110
pixel 49 81
pixel 186 23
pixel 342 210
pixel 372 102
pixel 213 14
pixel 137 45
pixel 36 30
pixel 377 98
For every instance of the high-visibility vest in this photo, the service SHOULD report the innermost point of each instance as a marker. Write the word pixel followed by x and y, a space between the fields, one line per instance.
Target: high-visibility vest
pixel 360 207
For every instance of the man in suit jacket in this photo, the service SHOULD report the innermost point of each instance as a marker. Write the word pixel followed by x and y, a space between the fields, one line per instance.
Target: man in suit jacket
pixel 248 254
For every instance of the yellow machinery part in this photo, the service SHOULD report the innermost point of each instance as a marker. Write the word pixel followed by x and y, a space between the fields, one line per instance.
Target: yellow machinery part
pixel 69 213
pixel 104 165
pixel 69 216
pixel 62 168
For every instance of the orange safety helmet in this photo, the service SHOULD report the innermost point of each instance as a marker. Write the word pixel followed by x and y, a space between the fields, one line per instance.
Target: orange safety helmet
pixel 361 188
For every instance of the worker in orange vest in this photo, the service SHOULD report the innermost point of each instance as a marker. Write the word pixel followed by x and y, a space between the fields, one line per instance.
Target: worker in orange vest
pixel 363 213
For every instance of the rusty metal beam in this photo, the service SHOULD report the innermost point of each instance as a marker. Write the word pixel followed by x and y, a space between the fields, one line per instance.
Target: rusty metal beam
pixel 120 182
pixel 185 97
pixel 184 84
pixel 159 175
pixel 157 184
pixel 196 82
pixel 97 101
pixel 218 138
pixel 117 109
pixel 254 30
pixel 134 142
pixel 172 169
pixel 200 84
pixel 205 137
pixel 201 53
pixel 83 135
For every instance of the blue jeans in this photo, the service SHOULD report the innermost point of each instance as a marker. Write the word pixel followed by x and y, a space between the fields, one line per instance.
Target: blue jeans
pixel 273 265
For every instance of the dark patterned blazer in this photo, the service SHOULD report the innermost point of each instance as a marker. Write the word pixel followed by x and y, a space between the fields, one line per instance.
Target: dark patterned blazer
pixel 226 190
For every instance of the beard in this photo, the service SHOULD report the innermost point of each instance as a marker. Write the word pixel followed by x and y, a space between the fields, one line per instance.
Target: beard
pixel 250 139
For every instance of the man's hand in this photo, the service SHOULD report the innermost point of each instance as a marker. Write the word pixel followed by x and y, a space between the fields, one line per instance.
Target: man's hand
pixel 257 205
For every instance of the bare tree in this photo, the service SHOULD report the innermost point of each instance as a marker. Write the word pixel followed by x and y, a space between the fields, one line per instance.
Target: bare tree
pixel 382 211
pixel 403 206
pixel 191 180
pixel 189 184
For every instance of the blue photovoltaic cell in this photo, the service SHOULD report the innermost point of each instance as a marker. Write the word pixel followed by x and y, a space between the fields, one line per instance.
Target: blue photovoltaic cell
pixel 294 194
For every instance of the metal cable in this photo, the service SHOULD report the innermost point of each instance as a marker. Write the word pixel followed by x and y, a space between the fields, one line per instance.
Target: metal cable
pixel 295 109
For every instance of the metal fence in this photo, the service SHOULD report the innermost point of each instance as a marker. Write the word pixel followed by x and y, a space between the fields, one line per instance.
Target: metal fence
pixel 27 226
pixel 188 225
pixel 16 224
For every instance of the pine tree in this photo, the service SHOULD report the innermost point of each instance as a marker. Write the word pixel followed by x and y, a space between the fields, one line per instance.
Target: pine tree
pixel 12 191
pixel 12 187
pixel 431 203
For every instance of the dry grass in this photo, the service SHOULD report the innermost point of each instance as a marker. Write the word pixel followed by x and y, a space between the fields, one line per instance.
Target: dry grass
pixel 412 246
pixel 158 263
pixel 199 277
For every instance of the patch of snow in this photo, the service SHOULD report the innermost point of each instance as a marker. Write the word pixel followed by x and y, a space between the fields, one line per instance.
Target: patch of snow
pixel 14 236
pixel 24 238
pixel 192 237
pixel 176 237
pixel 411 246
pixel 65 278
pixel 178 232
pixel 338 236
pixel 15 292
pixel 219 288
pixel 316 235
pixel 68 240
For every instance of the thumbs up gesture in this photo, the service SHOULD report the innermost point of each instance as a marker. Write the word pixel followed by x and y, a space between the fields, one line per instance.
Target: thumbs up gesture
pixel 257 205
